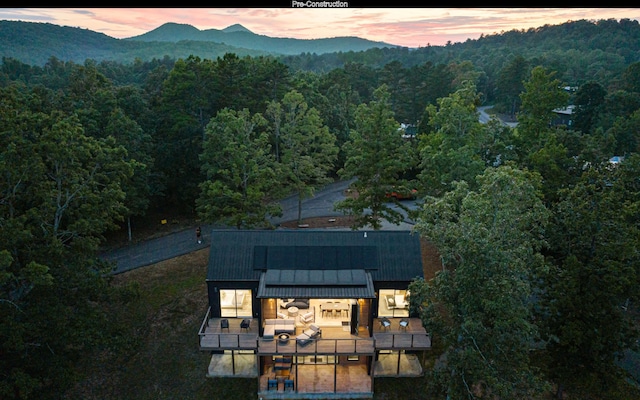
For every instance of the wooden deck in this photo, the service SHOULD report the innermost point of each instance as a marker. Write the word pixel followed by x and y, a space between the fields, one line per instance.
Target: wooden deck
pixel 334 340
pixel 347 379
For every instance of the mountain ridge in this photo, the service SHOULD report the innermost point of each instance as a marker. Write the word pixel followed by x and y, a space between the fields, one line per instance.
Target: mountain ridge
pixel 235 28
pixel 239 36
pixel 36 43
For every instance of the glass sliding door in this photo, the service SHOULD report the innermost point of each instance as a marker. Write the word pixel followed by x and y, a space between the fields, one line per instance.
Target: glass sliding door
pixel 235 303
pixel 393 303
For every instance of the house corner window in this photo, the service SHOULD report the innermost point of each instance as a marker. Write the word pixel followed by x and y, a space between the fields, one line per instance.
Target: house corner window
pixel 393 303
pixel 235 303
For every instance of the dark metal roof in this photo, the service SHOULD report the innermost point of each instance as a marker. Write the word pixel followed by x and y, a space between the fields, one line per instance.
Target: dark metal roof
pixel 346 283
pixel 315 257
pixel 311 277
pixel 244 255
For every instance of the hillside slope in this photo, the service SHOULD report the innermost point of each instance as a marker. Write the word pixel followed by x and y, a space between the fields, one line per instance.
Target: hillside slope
pixel 35 43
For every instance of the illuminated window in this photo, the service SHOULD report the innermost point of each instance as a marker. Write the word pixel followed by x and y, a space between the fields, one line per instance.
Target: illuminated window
pixel 235 303
pixel 393 303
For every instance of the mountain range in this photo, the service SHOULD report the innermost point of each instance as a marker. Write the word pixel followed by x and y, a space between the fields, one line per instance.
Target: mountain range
pixel 35 43
pixel 238 36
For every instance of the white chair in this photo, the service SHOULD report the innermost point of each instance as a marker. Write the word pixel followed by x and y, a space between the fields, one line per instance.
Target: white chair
pixel 307 317
pixel 282 315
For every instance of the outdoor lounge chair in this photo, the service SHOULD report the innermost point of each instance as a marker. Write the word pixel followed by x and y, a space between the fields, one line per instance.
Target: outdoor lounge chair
pixel 224 324
pixel 307 317
pixel 288 384
pixel 308 335
pixel 273 384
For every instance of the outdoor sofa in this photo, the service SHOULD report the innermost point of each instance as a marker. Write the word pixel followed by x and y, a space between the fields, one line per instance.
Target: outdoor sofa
pixel 275 326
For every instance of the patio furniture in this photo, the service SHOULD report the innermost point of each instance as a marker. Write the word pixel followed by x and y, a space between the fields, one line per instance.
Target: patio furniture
pixel 283 363
pixel 274 326
pixel 396 302
pixel 283 338
pixel 293 311
pixel 245 324
pixel 307 317
pixel 308 335
pixel 288 384
pixel 384 321
pixel 404 323
pixel 273 384
pixel 224 324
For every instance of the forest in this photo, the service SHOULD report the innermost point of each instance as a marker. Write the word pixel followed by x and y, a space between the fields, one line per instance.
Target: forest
pixel 537 228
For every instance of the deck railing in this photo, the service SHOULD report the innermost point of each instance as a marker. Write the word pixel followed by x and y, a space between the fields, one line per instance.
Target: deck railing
pixel 205 323
pixel 243 341
pixel 354 345
pixel 317 346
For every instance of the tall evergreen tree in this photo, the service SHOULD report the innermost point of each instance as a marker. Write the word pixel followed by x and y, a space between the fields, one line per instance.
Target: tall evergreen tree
pixel 450 148
pixel 377 156
pixel 240 170
pixel 307 150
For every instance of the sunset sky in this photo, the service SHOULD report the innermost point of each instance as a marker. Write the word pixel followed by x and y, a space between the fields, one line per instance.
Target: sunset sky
pixel 411 27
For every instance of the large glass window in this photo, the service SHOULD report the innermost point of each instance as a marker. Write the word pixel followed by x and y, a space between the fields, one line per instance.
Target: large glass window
pixel 317 359
pixel 235 303
pixel 393 303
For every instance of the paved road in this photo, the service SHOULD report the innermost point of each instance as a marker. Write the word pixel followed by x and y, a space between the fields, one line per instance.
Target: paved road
pixel 184 242
pixel 484 117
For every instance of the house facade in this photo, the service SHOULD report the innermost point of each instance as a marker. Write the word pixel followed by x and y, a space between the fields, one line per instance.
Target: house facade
pixel 313 313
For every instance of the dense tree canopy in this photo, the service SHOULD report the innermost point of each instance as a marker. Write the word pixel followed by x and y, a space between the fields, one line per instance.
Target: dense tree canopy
pixel 594 237
pixel 60 191
pixel 86 146
pixel 489 241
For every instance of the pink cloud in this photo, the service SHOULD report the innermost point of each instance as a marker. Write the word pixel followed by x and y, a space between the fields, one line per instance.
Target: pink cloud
pixel 412 27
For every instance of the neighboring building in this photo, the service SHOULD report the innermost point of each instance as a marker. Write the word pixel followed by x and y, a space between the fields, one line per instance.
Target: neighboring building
pixel 312 313
pixel 409 131
pixel 564 116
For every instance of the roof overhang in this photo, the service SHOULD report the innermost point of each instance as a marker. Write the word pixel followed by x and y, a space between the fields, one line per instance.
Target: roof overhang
pixel 316 284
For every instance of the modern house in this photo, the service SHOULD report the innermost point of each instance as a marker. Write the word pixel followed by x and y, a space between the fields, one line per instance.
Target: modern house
pixel 313 313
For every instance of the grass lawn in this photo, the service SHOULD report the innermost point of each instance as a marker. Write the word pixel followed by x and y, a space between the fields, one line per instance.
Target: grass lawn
pixel 157 356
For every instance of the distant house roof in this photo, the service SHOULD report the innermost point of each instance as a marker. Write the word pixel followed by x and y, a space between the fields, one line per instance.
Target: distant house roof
pixel 286 261
pixel 568 110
